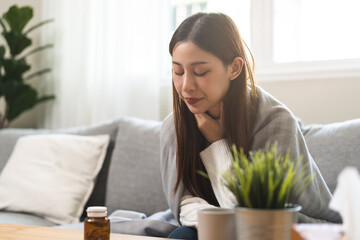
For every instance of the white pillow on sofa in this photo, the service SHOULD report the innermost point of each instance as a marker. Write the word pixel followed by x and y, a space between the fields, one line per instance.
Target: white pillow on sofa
pixel 52 175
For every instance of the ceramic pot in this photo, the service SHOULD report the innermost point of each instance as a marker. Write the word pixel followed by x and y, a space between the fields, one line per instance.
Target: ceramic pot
pixel 265 224
pixel 216 224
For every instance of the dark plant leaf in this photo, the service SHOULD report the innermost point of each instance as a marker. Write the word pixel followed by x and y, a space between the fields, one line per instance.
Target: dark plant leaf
pixel 10 89
pixel 15 68
pixel 17 42
pixel 2 53
pixel 4 88
pixel 25 98
pixel 45 98
pixel 17 17
pixel 3 25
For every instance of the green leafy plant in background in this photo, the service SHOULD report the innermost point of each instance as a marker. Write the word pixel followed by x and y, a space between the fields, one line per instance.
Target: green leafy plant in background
pixel 265 179
pixel 14 87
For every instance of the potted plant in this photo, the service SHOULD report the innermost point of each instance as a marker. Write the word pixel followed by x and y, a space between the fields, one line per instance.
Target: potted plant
pixel 262 184
pixel 19 95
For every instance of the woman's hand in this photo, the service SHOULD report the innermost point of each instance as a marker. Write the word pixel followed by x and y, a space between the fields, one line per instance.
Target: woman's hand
pixel 211 128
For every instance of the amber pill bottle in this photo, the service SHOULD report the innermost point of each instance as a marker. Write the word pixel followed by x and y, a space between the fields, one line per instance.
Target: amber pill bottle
pixel 96 225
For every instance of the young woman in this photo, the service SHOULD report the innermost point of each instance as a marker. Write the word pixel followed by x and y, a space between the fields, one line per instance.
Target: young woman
pixel 216 104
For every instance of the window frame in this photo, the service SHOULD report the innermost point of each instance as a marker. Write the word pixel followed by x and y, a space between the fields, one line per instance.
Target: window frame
pixel 262 30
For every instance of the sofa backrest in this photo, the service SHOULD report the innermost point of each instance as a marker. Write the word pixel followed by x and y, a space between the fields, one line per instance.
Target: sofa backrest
pixel 333 147
pixel 134 181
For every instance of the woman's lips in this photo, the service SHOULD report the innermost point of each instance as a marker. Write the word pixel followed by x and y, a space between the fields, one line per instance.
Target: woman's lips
pixel 193 100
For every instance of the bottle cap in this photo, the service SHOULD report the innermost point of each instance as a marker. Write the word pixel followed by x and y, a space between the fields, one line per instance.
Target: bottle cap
pixel 96 211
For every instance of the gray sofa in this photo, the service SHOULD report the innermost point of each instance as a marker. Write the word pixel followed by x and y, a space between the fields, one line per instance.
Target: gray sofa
pixel 130 176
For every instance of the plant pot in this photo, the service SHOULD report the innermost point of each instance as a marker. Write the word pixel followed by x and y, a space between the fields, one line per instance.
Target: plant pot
pixel 265 224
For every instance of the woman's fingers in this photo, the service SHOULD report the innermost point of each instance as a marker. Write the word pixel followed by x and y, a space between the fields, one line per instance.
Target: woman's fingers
pixel 212 129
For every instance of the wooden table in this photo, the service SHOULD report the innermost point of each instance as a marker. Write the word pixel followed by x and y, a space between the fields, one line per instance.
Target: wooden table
pixel 25 232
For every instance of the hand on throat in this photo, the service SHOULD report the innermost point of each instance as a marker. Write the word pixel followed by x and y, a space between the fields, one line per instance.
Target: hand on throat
pixel 215 111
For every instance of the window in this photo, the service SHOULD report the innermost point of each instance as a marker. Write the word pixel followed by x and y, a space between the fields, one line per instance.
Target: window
pixel 181 9
pixel 316 30
pixel 305 39
pixel 238 10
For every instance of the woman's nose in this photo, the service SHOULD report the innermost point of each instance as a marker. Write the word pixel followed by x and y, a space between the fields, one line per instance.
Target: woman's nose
pixel 189 83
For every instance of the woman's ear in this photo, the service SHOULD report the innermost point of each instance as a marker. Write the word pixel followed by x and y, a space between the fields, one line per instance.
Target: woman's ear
pixel 236 68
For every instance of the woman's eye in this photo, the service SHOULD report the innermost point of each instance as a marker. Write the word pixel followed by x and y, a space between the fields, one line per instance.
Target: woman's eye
pixel 201 74
pixel 179 73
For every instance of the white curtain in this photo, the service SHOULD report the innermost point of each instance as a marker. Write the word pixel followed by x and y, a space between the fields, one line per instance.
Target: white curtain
pixel 109 60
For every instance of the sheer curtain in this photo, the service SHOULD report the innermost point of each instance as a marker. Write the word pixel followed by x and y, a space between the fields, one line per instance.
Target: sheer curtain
pixel 108 60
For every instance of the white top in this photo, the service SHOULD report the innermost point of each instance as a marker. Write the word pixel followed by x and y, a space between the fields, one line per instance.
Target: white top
pixel 216 159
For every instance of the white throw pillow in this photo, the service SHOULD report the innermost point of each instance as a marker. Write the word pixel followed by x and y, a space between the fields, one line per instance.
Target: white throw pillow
pixel 52 175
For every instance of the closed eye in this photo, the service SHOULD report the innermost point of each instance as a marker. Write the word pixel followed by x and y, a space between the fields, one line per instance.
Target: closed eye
pixel 201 74
pixel 179 74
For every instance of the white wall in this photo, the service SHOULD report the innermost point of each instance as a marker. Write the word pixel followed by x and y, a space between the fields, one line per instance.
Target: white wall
pixel 319 101
pixel 28 118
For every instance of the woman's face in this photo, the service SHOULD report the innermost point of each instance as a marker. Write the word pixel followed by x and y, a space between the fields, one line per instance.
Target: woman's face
pixel 199 77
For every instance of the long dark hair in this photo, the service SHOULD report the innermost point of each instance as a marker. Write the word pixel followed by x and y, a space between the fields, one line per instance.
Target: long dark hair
pixel 215 33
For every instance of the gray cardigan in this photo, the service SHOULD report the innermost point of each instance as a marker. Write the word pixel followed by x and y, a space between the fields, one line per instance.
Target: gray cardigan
pixel 274 122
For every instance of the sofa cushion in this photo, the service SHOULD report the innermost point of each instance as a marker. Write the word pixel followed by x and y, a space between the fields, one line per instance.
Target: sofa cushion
pixel 56 173
pixel 24 219
pixel 333 147
pixel 134 181
pixel 8 138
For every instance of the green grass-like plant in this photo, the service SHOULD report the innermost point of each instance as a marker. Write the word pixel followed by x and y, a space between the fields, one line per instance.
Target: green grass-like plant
pixel 266 179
